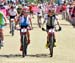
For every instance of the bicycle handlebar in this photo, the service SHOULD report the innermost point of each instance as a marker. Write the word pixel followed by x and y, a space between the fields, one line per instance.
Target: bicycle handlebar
pixel 55 29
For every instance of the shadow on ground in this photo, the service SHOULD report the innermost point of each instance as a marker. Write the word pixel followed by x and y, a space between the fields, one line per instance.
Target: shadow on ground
pixel 7 35
pixel 19 55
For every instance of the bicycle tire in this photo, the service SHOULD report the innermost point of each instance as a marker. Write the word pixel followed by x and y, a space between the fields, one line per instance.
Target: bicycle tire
pixel 51 46
pixel 24 45
pixel 12 28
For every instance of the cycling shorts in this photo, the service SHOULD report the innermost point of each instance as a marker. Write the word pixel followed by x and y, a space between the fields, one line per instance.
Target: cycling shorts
pixel 12 17
pixel 49 27
pixel 1 26
pixel 24 26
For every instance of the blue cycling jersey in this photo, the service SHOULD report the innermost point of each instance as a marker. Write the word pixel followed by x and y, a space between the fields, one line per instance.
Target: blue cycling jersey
pixel 24 21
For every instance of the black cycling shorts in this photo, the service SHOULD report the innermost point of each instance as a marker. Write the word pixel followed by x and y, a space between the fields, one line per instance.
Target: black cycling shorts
pixel 12 17
pixel 49 27
pixel 23 26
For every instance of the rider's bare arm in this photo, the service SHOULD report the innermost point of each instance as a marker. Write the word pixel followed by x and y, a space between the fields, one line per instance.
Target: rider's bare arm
pixel 57 21
pixel 6 20
pixel 45 19
pixel 30 21
pixel 17 20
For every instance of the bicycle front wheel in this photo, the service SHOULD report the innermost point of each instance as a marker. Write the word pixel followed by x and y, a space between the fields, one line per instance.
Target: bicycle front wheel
pixel 24 45
pixel 51 46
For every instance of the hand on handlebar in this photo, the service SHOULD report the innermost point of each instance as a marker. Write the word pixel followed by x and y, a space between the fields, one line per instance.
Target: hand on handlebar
pixel 43 29
pixel 59 28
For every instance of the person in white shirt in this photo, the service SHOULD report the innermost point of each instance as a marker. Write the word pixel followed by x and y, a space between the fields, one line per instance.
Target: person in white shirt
pixel 12 14
pixel 39 15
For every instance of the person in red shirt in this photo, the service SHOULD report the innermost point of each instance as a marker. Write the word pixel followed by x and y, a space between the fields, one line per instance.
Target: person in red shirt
pixel 63 10
pixel 30 9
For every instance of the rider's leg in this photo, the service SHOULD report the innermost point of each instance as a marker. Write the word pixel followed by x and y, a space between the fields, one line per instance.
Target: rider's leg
pixel 32 14
pixel 39 21
pixel 47 44
pixel 10 26
pixel 28 37
pixel 1 36
pixel 21 43
pixel 54 40
pixel 54 37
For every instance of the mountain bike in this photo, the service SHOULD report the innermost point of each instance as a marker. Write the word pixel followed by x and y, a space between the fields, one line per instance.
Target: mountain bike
pixel 24 40
pixel 51 33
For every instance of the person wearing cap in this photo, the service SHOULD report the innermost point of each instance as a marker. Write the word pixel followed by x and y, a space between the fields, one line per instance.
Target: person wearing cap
pixel 19 9
pixel 24 21
pixel 50 19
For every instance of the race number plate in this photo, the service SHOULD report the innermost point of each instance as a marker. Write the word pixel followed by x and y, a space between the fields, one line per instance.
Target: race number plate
pixel 12 19
pixel 51 30
pixel 23 30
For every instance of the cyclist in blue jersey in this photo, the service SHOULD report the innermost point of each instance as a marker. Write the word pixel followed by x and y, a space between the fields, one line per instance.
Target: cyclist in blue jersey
pixel 24 21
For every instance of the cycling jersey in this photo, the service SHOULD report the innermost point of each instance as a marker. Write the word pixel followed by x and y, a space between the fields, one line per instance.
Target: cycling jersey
pixel 63 7
pixel 1 19
pixel 13 12
pixel 24 21
pixel 50 19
